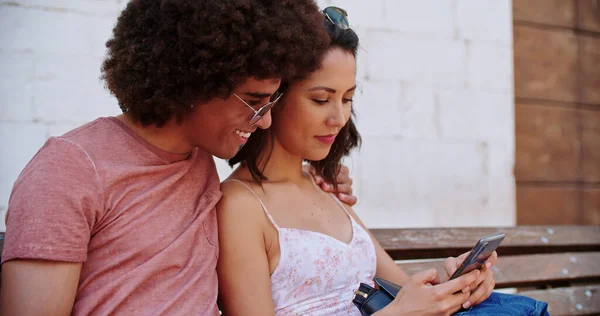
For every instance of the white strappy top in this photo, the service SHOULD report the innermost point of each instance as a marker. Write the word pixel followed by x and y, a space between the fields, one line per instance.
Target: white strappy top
pixel 317 274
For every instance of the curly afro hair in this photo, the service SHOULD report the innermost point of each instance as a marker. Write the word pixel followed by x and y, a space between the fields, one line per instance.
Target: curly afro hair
pixel 166 55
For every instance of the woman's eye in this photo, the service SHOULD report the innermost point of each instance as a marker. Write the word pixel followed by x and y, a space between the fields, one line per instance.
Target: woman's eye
pixel 320 101
pixel 348 100
pixel 253 102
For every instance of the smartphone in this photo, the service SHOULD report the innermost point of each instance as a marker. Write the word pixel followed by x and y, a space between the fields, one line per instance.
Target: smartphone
pixel 482 250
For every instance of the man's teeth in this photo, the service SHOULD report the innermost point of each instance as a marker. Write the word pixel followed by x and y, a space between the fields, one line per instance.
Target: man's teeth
pixel 243 134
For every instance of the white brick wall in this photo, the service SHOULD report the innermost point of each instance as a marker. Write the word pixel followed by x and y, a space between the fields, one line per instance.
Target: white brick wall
pixel 20 141
pixel 435 112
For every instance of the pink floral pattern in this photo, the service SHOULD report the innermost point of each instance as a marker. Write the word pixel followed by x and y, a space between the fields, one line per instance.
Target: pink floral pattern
pixel 317 274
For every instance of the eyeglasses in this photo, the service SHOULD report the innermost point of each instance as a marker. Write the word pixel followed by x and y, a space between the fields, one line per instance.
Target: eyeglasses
pixel 337 16
pixel 258 114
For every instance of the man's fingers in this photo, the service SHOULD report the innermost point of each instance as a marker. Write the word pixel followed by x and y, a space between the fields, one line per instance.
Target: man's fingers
pixel 318 180
pixel 341 188
pixel 344 170
pixel 345 188
pixel 348 199
pixel 312 170
pixel 327 187
pixel 344 192
pixel 344 178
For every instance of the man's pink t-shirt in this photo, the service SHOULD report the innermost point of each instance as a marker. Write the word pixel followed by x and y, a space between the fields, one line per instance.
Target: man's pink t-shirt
pixel 141 220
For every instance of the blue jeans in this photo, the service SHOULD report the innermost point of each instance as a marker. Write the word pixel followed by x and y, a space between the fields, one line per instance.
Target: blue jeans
pixel 499 304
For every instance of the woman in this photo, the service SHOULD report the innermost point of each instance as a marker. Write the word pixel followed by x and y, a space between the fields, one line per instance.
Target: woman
pixel 292 249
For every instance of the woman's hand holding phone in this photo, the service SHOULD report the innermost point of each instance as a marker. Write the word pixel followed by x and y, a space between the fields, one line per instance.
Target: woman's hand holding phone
pixel 422 294
pixel 483 286
pixel 482 257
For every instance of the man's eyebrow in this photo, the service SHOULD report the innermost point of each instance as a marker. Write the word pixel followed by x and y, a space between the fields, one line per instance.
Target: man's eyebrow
pixel 258 95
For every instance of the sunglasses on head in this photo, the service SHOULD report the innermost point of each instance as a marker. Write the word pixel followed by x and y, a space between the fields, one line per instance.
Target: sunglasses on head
pixel 337 16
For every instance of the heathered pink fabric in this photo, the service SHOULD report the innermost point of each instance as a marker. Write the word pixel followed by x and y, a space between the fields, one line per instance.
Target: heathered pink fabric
pixel 141 220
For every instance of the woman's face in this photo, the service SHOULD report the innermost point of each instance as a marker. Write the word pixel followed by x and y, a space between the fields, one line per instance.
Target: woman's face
pixel 313 111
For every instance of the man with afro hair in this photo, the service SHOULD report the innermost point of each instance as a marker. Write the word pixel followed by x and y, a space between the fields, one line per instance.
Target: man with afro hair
pixel 118 216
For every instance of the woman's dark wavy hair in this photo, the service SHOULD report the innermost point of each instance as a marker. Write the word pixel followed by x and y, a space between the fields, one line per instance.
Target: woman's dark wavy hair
pixel 166 55
pixel 254 153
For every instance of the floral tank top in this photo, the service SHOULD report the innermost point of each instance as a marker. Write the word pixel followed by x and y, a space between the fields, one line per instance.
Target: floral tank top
pixel 318 274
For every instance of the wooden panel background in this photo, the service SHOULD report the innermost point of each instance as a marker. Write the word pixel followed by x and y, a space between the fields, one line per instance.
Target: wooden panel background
pixel 557 111
pixel 547 145
pixel 591 206
pixel 590 139
pixel 547 206
pixel 547 12
pixel 589 54
pixel 589 19
pixel 545 63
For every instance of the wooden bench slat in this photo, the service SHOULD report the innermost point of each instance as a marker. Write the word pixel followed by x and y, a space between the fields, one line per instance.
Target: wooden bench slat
pixel 422 243
pixel 531 270
pixel 577 300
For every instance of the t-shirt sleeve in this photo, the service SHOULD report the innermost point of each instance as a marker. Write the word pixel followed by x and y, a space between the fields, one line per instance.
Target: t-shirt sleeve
pixel 54 205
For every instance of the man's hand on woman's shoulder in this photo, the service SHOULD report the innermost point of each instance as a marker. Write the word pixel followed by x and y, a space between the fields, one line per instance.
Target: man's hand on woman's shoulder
pixel 344 189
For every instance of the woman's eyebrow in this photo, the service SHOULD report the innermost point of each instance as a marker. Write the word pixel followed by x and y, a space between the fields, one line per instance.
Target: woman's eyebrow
pixel 329 89
pixel 322 88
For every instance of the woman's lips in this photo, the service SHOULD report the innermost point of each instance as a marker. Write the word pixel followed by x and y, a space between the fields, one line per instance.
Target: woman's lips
pixel 326 139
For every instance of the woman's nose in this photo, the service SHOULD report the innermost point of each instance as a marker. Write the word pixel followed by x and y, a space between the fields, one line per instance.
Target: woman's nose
pixel 337 118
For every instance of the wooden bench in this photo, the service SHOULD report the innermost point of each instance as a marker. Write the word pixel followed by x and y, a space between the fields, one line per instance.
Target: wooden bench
pixel 556 264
